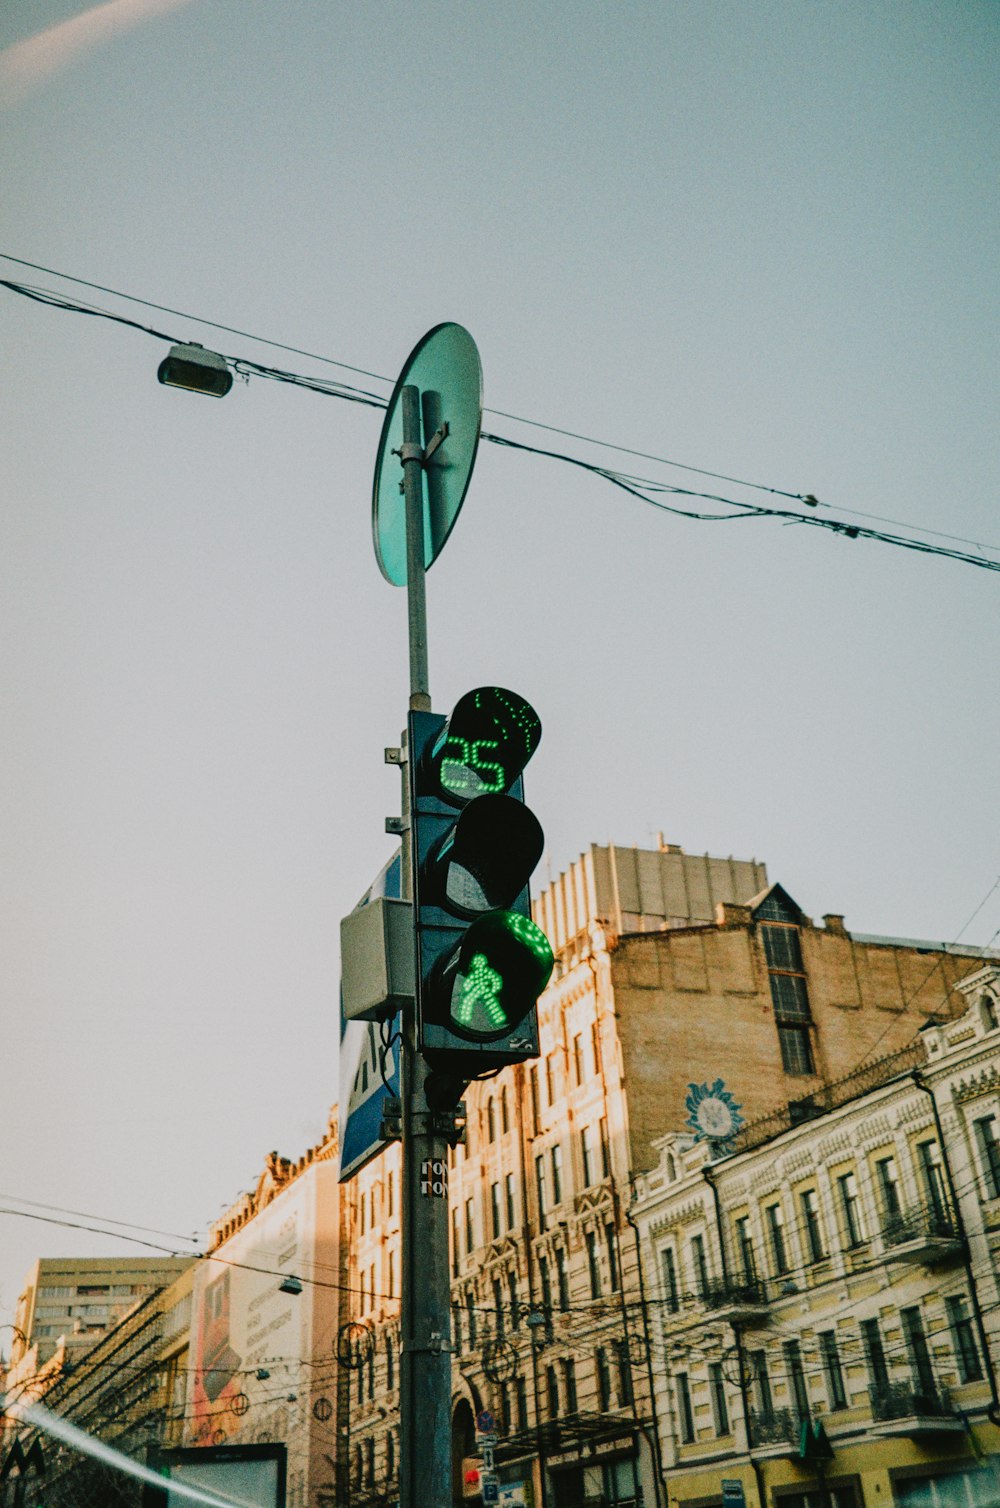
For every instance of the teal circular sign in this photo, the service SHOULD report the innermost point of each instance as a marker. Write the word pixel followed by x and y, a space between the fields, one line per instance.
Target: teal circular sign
pixel 446 369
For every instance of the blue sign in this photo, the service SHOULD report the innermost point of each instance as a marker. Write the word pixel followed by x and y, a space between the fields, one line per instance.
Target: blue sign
pixel 732 1493
pixel 362 1092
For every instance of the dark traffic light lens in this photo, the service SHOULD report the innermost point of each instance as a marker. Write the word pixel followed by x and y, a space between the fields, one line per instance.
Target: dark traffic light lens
pixel 486 859
pixel 485 744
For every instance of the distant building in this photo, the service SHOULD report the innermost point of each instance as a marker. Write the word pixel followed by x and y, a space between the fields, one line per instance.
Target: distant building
pixel 76 1299
pixel 119 1392
pixel 839 1274
pixel 671 968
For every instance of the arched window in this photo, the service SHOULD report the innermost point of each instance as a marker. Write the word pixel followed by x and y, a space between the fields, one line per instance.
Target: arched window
pixel 504 1111
pixel 988 1012
pixel 491 1120
pixel 671 1167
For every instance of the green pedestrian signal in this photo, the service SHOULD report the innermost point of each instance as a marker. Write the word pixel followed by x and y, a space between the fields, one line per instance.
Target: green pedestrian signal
pixel 481 960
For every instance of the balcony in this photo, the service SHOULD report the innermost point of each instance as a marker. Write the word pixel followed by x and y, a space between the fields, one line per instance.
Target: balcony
pixel 774 1432
pixel 737 1303
pixel 902 1409
pixel 923 1235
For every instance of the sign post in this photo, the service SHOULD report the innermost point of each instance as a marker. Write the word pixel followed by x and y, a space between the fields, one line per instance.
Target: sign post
pixel 432 425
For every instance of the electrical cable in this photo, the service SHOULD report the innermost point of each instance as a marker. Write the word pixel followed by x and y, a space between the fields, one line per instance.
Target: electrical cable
pixel 643 489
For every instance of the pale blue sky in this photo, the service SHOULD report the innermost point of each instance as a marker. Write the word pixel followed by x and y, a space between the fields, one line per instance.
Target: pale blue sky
pixel 760 238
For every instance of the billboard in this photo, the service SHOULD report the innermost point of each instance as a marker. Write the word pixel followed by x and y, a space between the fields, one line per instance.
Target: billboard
pixel 262 1352
pixel 252 1476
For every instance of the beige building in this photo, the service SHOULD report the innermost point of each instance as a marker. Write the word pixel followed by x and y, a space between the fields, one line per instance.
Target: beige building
pixel 842 1273
pixel 67 1302
pixel 121 1391
pixel 670 968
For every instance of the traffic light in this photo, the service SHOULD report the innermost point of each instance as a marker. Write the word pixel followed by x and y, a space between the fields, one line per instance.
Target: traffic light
pixel 481 962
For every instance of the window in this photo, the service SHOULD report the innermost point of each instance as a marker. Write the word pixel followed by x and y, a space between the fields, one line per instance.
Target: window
pixel 850 1209
pixel 964 1340
pixel 810 1221
pixel 916 1345
pixel 579 1066
pixel 391 1269
pixel 552 1388
pixel 557 1193
pixel 717 1388
pixel 605 1149
pixel 504 1111
pixel 569 1385
pixel 371 1374
pixel 744 1246
pixel 503 1408
pixel 491 1121
pixel 587 1155
pixel 470 1227
pixel 536 1108
pixel 603 1380
pixel 515 1305
pixel 611 1238
pixel 498 1308
pixel 989 1154
pixel 470 1304
pixel 495 1208
pixel 390 1364
pixel 361 1214
pixel 832 1369
pixel 624 1374
pixel 595 1046
pixel 932 1174
pixel 796 1049
pixel 522 1402
pixel 550 1079
pixel 668 1268
pixel 698 1265
pixel 878 1372
pixel 543 1276
pixel 789 996
pixel 761 1383
pixel 593 1265
pixel 390 1455
pixel 540 1186
pixel 508 1184
pixel 456 1219
pixel 370 1461
pixel 988 1006
pixel 797 1378
pixel 776 1227
pixel 685 1417
pixel 562 1278
pixel 888 1187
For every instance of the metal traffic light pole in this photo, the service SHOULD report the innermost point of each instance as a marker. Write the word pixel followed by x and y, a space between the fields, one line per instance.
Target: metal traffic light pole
pixel 425 1354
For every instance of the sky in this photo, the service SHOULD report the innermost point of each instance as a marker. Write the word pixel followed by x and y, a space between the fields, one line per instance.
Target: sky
pixel 756 239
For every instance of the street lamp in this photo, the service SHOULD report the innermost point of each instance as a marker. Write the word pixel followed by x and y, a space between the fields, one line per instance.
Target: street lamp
pixel 196 370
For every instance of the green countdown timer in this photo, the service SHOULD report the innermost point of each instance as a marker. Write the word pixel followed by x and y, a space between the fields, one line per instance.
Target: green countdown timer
pixel 485 744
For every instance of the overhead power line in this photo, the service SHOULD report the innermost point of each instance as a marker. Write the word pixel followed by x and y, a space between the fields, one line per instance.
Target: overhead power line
pixel 644 489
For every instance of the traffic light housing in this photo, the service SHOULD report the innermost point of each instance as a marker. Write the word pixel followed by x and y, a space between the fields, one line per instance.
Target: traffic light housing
pixel 481 962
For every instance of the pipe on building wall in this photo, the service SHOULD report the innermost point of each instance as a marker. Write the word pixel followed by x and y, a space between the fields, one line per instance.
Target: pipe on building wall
pixel 994 1410
pixel 644 1307
pixel 758 1475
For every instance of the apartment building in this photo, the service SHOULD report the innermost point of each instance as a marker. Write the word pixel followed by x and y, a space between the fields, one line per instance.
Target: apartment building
pixel 67 1302
pixel 838 1274
pixel 670 968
